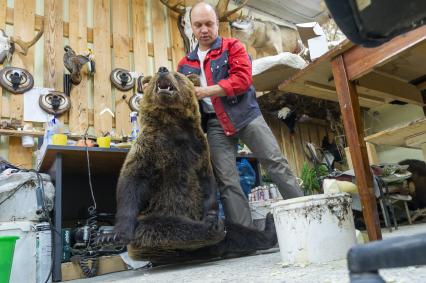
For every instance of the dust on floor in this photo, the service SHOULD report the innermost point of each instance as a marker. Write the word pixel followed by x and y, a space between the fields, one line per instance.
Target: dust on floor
pixel 263 268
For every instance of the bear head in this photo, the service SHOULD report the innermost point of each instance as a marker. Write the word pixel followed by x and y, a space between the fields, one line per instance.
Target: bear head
pixel 170 92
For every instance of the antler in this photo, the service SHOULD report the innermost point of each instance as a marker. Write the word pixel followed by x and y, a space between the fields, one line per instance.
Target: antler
pixel 222 7
pixel 26 45
pixel 174 8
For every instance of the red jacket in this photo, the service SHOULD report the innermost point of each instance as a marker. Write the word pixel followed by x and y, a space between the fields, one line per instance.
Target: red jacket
pixel 228 65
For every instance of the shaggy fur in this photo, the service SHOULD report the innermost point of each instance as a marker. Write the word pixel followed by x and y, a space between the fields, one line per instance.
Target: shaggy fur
pixel 418 169
pixel 166 193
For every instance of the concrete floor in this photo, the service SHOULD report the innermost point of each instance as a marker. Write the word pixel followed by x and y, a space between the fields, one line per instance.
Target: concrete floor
pixel 263 268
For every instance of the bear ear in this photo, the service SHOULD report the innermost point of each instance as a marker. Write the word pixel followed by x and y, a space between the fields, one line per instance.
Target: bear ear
pixel 195 79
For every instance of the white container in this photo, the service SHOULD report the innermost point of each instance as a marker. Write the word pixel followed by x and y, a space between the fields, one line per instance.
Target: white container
pixel 314 229
pixel 24 258
pixel 44 252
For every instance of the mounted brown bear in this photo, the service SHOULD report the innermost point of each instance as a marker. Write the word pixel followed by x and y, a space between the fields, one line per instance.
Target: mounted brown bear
pixel 166 193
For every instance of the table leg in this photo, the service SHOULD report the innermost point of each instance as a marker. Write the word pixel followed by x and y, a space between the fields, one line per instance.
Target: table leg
pixel 57 250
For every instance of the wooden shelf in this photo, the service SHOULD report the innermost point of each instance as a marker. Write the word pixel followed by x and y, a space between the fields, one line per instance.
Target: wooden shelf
pixel 16 133
pixel 412 134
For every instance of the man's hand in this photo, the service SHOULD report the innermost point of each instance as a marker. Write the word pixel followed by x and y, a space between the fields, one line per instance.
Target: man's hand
pixel 208 91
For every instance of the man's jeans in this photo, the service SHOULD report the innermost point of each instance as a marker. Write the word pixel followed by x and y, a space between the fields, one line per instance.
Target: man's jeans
pixel 223 149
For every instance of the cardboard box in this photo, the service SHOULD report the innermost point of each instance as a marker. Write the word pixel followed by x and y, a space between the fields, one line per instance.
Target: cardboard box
pixel 107 264
pixel 313 36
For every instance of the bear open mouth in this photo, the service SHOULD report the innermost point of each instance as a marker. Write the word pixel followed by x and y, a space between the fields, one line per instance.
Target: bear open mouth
pixel 164 86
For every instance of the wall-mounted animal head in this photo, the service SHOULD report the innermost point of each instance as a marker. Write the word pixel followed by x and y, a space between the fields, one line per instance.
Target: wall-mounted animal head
pixel 184 23
pixel 16 80
pixel 266 37
pixel 74 63
pixel 8 44
pixel 55 103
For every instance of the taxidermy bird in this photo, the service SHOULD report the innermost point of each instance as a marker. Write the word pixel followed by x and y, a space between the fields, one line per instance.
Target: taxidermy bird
pixel 289 118
pixel 74 63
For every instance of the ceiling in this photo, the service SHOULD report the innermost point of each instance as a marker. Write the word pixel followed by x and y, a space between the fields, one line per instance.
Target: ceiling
pixel 294 11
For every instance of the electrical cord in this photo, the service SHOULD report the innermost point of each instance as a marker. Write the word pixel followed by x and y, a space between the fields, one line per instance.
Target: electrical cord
pixel 91 253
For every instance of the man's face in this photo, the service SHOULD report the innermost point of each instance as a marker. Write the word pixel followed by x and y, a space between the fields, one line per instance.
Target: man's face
pixel 204 25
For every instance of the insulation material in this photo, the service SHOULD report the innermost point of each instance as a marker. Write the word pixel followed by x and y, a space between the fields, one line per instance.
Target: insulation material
pixel 269 72
pixel 18 195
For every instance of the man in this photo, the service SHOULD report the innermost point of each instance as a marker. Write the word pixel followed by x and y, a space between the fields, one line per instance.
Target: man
pixel 230 111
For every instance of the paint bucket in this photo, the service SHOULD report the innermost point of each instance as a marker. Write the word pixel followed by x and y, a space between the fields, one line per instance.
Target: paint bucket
pixel 7 248
pixel 314 229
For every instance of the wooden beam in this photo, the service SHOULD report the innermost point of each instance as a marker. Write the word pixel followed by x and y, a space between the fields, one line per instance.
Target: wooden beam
pixel 387 87
pixel 350 109
pixel 364 99
pixel 360 60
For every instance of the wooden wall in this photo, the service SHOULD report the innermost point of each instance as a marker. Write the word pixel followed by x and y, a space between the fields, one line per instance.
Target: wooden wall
pixel 139 35
pixel 129 34
pixel 293 145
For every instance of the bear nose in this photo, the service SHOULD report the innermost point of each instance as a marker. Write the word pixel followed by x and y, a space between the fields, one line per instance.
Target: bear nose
pixel 163 71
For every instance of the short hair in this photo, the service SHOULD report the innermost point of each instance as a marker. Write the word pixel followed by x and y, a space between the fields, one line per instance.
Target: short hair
pixel 214 9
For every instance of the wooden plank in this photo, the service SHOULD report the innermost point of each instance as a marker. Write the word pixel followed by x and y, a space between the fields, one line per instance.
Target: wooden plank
pixel 326 92
pixel 178 48
pixel 140 46
pixel 159 35
pixel 120 14
pixel 24 20
pixel 378 85
pixel 416 140
pixel 53 46
pixel 3 9
pixel 397 135
pixel 102 52
pixel 78 115
pixel 90 31
pixel 19 155
pixel 359 60
pixel 349 106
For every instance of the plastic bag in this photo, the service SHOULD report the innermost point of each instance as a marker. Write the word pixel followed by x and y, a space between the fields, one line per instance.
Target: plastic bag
pixel 247 175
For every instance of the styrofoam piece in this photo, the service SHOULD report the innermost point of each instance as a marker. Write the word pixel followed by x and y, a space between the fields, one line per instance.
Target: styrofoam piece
pixel 24 259
pixel 314 229
pixel 22 205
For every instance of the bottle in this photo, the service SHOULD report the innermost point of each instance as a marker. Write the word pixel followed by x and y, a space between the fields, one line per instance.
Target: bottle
pixel 135 126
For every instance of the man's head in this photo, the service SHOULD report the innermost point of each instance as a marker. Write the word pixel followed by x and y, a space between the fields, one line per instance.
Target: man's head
pixel 204 24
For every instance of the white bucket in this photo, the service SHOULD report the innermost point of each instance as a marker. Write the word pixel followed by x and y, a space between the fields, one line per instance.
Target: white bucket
pixel 314 229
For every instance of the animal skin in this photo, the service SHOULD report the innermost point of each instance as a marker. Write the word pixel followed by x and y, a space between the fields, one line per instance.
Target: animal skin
pixel 166 194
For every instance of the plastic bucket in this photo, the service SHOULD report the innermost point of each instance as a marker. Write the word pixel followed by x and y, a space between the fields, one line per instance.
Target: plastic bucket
pixel 104 142
pixel 314 229
pixel 7 247
pixel 59 139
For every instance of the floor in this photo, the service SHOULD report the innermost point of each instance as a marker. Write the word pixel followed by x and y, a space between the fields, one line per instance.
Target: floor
pixel 263 268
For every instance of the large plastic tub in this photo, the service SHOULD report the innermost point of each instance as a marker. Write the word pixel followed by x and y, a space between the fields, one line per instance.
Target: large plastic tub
pixel 7 247
pixel 314 229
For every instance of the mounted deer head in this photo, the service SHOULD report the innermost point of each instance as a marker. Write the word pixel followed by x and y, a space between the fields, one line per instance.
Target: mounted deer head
pixel 185 24
pixel 8 44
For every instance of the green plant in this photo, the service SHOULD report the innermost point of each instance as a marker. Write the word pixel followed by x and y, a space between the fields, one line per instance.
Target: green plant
pixel 309 177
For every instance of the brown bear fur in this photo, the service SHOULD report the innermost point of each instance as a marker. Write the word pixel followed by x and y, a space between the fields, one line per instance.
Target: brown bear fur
pixel 166 193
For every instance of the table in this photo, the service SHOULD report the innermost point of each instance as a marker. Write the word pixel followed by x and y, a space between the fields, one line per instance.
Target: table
pixel 67 166
pixel 356 76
